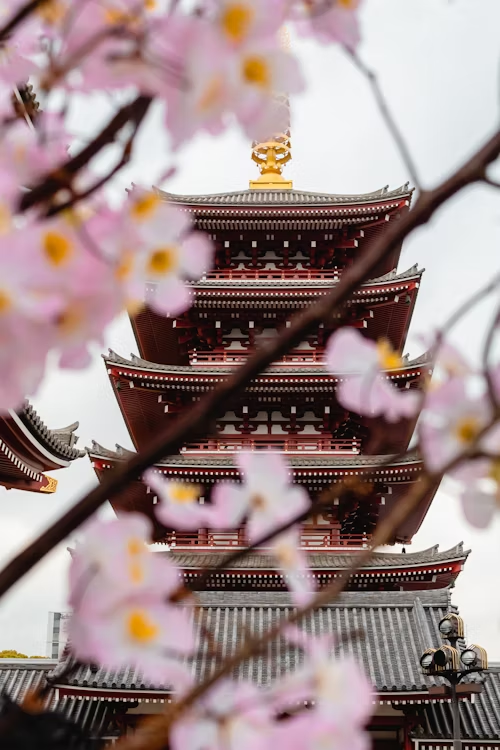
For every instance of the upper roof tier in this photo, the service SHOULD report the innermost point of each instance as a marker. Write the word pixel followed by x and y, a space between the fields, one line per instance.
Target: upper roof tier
pixel 296 198
pixel 28 448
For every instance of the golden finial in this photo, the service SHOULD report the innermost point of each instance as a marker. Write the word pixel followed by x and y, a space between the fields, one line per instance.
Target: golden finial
pixel 272 155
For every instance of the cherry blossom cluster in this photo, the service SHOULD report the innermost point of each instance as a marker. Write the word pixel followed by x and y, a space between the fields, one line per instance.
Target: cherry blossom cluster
pixel 126 614
pixel 457 414
pixel 265 498
pixel 66 274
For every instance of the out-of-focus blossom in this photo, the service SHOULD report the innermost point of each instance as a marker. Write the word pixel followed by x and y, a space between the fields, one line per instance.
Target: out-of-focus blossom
pixel 451 422
pixel 119 591
pixel 262 71
pixel 180 509
pixel 329 20
pixel 163 251
pixel 266 493
pixel 232 715
pixel 479 490
pixel 292 562
pixel 241 21
pixel 365 389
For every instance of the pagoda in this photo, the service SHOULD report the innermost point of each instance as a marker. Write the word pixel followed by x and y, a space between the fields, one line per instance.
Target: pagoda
pixel 29 449
pixel 279 249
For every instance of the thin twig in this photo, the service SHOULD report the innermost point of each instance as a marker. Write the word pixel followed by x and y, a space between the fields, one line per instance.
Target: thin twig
pixel 490 383
pixel 198 419
pixel 22 14
pixel 387 116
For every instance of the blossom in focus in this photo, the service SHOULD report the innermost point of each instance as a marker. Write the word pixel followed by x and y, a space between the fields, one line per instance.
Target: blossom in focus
pixel 119 592
pixel 329 21
pixel 365 390
pixel 266 493
pixel 163 251
pixel 179 507
pixel 231 715
pixel 451 422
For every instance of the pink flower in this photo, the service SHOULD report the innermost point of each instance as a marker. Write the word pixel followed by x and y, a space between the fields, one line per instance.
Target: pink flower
pixel 262 70
pixel 266 493
pixel 479 490
pixel 451 421
pixel 332 21
pixel 119 591
pixel 292 562
pixel 180 509
pixel 366 391
pixel 163 252
pixel 232 715
pixel 242 20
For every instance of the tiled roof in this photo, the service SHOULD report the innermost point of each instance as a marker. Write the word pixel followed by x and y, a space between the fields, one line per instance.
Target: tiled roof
pixel 287 197
pixel 298 462
pixel 325 560
pixel 390 278
pixel 61 442
pixel 390 661
pixel 18 676
pixel 479 720
pixel 112 358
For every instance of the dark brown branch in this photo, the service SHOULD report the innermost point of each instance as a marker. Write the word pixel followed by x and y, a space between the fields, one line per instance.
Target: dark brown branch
pixel 19 17
pixel 198 419
pixel 61 178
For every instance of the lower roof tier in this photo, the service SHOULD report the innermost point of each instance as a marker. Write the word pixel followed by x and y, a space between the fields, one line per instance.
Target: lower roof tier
pixel 428 569
pixel 28 448
pixel 383 483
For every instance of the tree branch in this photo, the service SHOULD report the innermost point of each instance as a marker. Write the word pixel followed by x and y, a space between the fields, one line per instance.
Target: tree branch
pixel 388 117
pixel 20 16
pixel 198 419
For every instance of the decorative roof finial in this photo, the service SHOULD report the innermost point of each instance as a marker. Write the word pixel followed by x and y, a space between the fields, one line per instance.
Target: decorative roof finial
pixel 272 155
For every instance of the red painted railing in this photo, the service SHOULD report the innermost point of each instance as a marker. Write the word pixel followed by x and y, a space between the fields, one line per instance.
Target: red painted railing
pixel 273 273
pixel 317 537
pixel 286 443
pixel 231 356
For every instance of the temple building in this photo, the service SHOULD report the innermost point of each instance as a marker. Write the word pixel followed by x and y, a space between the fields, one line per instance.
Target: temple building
pixel 277 250
pixel 29 449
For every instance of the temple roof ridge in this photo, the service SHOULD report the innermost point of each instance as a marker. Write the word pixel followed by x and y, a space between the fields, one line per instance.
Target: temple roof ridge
pixel 392 276
pixel 138 362
pixel 61 440
pixel 323 559
pixel 289 197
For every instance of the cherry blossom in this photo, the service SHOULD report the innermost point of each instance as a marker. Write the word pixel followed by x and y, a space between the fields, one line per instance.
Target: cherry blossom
pixel 232 715
pixel 366 389
pixel 243 20
pixel 266 493
pixel 452 421
pixel 180 509
pixel 163 251
pixel 292 562
pixel 479 490
pixel 119 592
pixel 329 20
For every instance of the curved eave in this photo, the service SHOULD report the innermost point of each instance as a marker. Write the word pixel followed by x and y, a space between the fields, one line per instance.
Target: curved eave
pixel 150 375
pixel 15 473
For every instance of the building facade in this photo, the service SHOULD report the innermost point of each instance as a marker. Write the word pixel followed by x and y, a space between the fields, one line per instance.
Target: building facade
pixel 277 250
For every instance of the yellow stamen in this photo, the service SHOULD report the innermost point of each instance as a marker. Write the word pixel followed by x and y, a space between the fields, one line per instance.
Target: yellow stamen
pixel 162 261
pixel 136 572
pixel 52 12
pixel 68 321
pixel 258 502
pixel 256 71
pixel 5 302
pixel 146 205
pixel 388 357
pixel 57 248
pixel 347 4
pixel 183 494
pixel 140 627
pixel 124 267
pixel 467 429
pixel 236 20
pixel 135 546
pixel 494 472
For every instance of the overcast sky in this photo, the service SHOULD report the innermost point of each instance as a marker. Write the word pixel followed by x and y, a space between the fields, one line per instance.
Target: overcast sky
pixel 438 63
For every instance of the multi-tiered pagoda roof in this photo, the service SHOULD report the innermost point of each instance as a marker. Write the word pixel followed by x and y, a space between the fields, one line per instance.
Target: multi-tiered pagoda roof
pixel 28 449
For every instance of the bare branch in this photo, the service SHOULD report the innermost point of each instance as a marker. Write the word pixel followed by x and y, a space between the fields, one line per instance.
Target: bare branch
pixel 20 16
pixel 387 116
